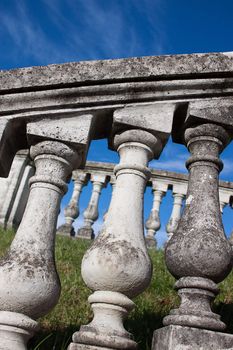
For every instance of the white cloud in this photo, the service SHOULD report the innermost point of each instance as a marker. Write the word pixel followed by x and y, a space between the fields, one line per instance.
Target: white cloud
pixel 172 165
pixel 28 38
pixel 83 30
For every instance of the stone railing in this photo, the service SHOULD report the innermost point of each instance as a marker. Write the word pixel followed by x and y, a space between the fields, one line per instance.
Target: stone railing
pixel 55 112
pixel 100 174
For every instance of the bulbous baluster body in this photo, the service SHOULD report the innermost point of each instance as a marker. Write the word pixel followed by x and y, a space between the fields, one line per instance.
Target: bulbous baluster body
pixel 199 254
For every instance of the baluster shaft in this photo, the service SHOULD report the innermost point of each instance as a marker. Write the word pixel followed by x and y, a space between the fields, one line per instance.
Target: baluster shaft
pixel 91 213
pixel 175 215
pixel 72 210
pixel 153 223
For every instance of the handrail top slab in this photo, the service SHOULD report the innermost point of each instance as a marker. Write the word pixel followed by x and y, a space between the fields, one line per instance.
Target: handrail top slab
pixel 117 70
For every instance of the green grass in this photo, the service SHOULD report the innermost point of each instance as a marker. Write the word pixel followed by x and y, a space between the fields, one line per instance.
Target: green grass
pixel 73 309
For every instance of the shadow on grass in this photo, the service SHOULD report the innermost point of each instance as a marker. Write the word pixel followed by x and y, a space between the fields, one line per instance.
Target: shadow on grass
pixel 226 313
pixel 57 339
pixel 141 327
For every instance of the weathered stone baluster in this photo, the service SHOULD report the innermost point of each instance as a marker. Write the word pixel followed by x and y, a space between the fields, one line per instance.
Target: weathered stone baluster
pixel 112 182
pixel 153 223
pixel 72 210
pixel 178 197
pixel 199 254
pixel 29 284
pixel 224 199
pixel 91 213
pixel 117 266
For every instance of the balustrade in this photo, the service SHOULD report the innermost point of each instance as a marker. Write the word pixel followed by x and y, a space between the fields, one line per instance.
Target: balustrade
pixel 161 182
pixel 137 104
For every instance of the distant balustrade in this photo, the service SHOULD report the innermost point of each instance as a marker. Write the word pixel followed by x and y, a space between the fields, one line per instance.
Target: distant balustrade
pixel 160 182
pixel 55 112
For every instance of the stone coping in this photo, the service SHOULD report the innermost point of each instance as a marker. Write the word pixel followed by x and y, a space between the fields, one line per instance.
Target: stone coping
pixel 117 70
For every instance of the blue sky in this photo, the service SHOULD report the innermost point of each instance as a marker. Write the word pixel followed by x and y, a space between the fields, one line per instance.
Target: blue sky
pixel 40 32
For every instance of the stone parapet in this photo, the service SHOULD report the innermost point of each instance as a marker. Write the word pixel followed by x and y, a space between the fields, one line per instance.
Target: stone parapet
pixel 136 104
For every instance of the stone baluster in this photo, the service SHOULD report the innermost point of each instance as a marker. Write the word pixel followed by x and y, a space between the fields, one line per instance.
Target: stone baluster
pixel 153 223
pixel 72 210
pixel 179 193
pixel 91 213
pixel 29 284
pixel 199 254
pixel 224 199
pixel 117 266
pixel 112 182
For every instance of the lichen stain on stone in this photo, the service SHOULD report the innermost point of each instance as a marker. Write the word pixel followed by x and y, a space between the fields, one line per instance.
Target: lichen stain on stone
pixel 30 263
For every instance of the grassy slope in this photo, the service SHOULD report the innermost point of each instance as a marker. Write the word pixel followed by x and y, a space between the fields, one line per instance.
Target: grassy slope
pixel 73 309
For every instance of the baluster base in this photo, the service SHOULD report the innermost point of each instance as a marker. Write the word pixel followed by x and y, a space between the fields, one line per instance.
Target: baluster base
pixel 85 233
pixel 151 242
pixel 66 230
pixel 187 338
pixel 106 331
pixel 15 330
pixel 196 294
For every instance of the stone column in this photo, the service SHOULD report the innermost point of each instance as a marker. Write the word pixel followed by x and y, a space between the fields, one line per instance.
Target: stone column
pixel 153 223
pixel 72 210
pixel 91 213
pixel 29 284
pixel 198 255
pixel 179 193
pixel 117 266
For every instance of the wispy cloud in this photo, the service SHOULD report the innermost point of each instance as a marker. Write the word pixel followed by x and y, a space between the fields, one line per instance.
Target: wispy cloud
pixel 27 37
pixel 172 165
pixel 67 30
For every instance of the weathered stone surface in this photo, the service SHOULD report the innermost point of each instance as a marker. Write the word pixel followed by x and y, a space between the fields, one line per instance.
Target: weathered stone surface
pixel 100 87
pixel 199 253
pixel 155 118
pixel 117 266
pixel 29 281
pixel 66 230
pixel 212 110
pixel 15 330
pixel 75 131
pixel 118 69
pixel 187 338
